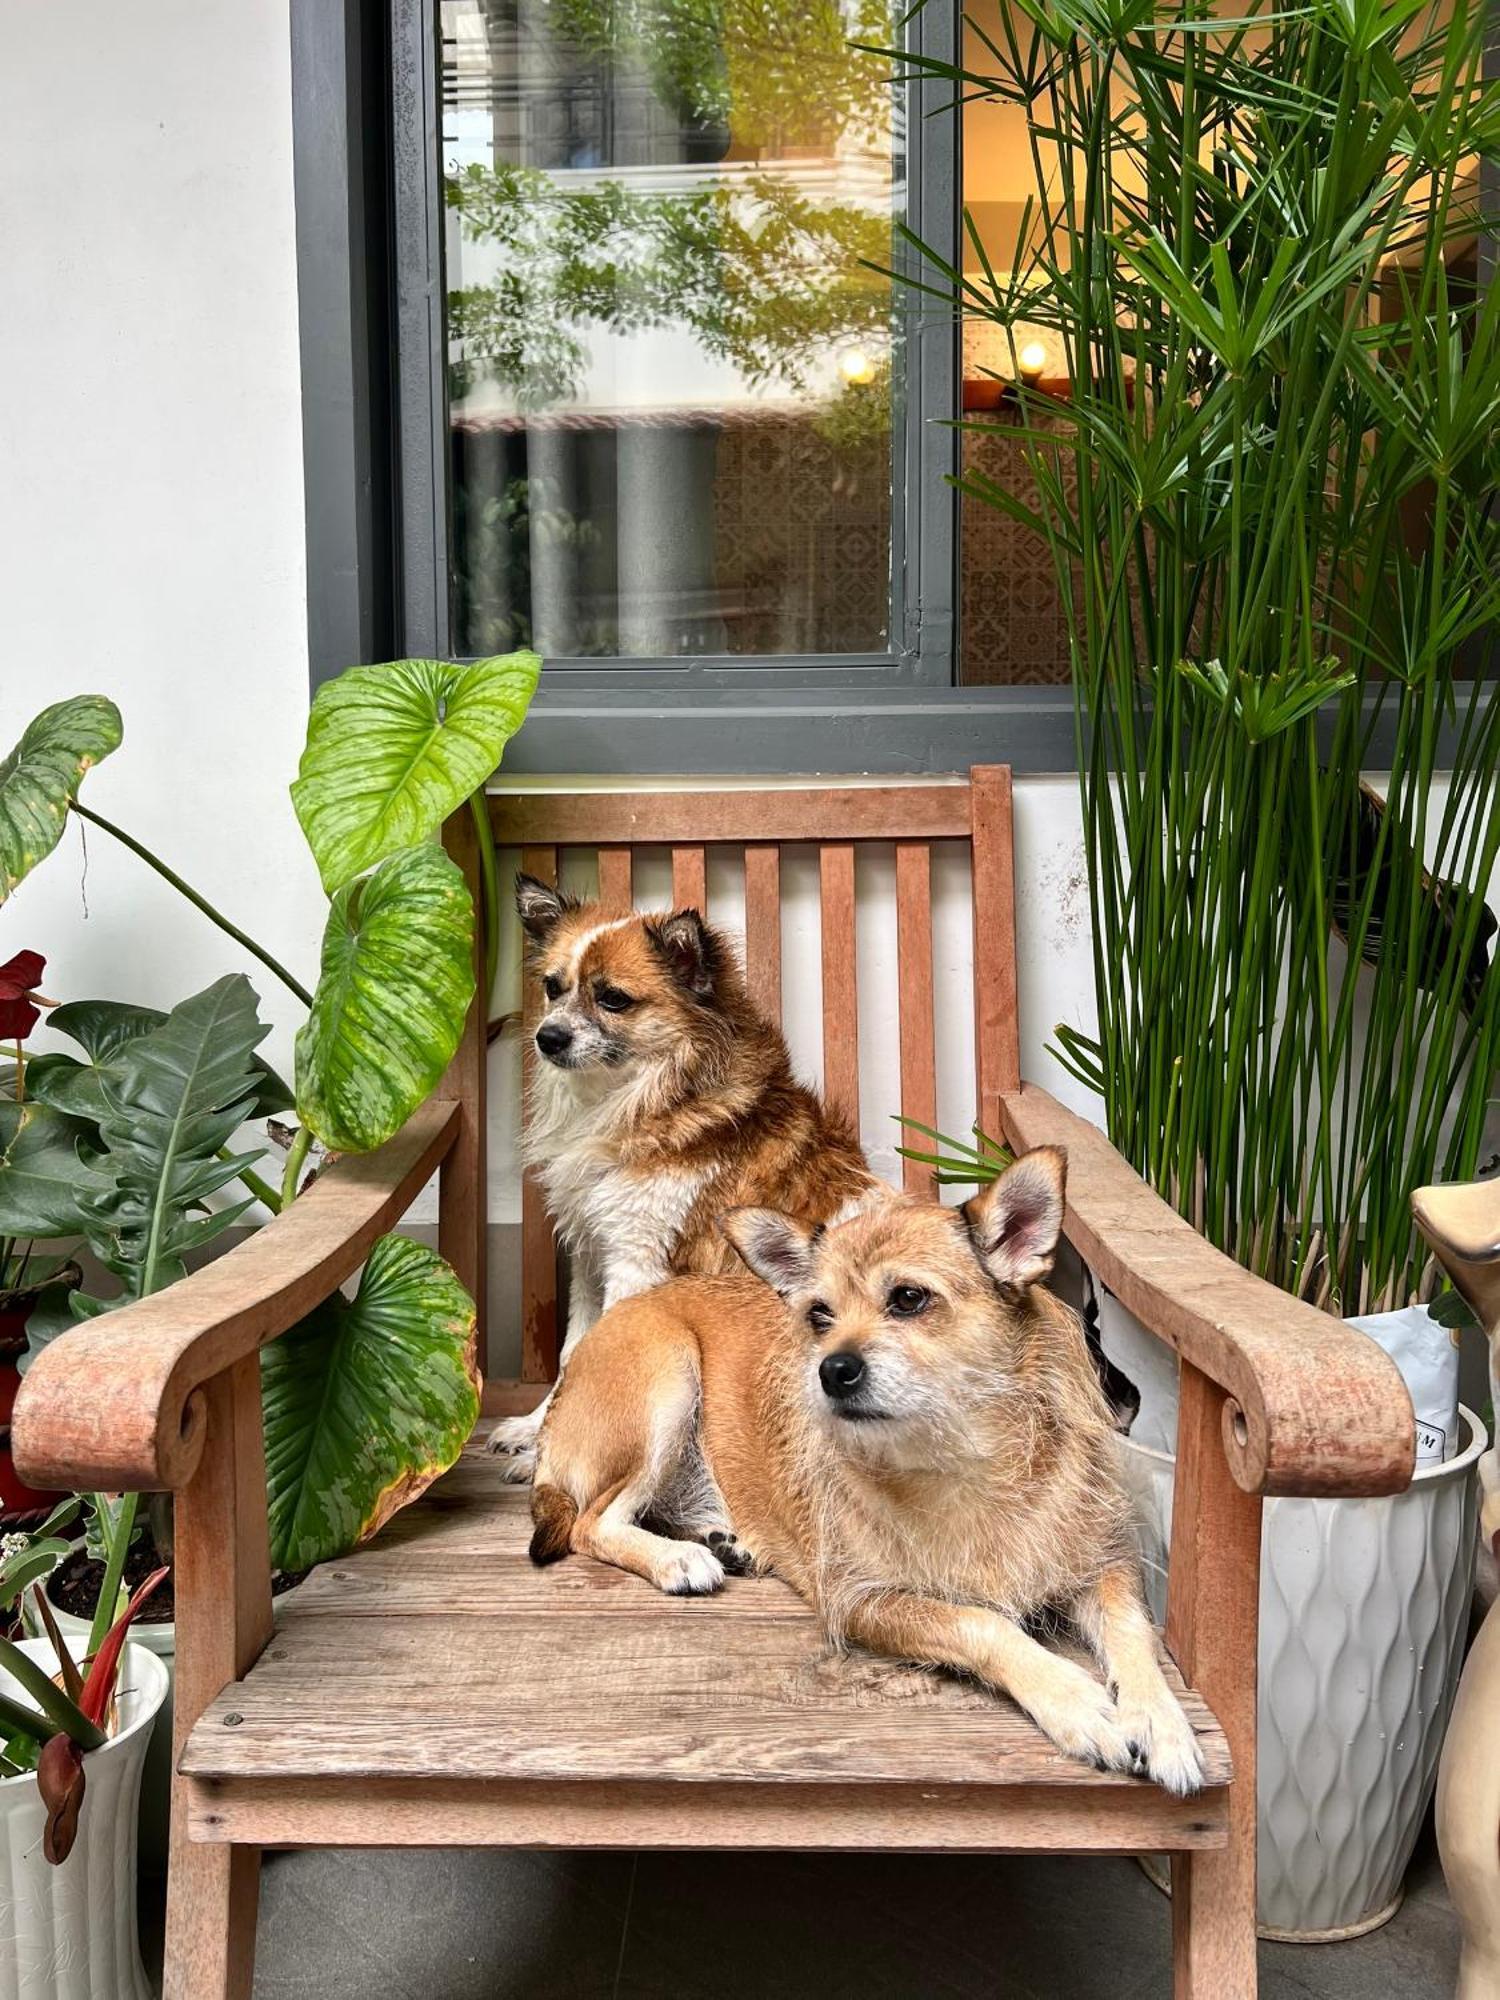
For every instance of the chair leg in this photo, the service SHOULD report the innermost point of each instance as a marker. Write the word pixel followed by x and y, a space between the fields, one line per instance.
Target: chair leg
pixel 223 1600
pixel 1212 1631
pixel 213 1893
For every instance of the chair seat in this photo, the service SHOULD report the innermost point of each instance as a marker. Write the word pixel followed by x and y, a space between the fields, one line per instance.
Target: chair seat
pixel 437 1688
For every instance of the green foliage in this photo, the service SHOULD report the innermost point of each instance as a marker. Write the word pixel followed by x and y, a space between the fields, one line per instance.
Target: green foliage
pixel 1271 513
pixel 42 774
pixel 366 1402
pixel 396 982
pixel 102 1028
pixel 30 1558
pixel 393 750
pixel 174 1098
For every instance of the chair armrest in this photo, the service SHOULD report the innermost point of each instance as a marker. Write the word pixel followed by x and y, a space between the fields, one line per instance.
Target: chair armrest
pixel 1315 1406
pixel 111 1405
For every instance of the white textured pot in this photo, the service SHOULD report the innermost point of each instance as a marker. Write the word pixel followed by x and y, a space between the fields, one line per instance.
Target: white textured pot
pixel 1363 1611
pixel 156 1785
pixel 69 1933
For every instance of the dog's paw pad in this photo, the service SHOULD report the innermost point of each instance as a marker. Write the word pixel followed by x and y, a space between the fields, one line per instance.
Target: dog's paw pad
pixel 732 1553
pixel 691 1571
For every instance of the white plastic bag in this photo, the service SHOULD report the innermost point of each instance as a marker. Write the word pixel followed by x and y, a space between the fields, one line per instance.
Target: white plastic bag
pixel 1427 1355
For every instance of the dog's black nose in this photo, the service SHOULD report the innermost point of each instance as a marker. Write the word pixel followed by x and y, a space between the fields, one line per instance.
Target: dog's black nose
pixel 841 1373
pixel 552 1038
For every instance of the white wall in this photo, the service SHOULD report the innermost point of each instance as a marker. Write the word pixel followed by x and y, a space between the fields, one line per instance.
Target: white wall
pixel 151 537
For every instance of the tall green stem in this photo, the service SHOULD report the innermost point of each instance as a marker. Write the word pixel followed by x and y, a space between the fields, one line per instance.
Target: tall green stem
pixel 294 1160
pixel 198 902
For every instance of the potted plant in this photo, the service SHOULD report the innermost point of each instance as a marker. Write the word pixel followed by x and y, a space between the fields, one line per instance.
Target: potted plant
pixel 74 1747
pixel 124 1141
pixel 1268 489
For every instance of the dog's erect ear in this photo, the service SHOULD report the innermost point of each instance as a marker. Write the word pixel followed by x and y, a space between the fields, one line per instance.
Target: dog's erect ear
pixel 776 1248
pixel 690 949
pixel 541 909
pixel 1015 1222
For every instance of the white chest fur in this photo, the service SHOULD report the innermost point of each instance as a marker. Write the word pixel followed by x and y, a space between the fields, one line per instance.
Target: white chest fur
pixel 622 1223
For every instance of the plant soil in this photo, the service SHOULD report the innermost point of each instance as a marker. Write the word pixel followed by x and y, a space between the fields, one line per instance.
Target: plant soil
pixel 74 1584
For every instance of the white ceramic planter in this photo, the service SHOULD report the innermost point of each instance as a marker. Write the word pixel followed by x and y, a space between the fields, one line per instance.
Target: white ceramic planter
pixel 1363 1611
pixel 69 1933
pixel 156 1784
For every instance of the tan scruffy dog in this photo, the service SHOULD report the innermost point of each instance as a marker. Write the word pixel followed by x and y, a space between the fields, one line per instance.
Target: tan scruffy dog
pixel 661 1100
pixel 907 1428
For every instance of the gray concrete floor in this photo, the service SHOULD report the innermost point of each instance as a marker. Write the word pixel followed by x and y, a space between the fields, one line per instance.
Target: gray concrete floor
pixel 462 1925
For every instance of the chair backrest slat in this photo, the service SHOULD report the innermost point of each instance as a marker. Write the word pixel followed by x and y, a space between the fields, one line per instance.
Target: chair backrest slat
pixel 837 820
pixel 690 879
pixel 840 981
pixel 763 927
pixel 539 1323
pixel 914 975
pixel 615 891
pixel 997 1040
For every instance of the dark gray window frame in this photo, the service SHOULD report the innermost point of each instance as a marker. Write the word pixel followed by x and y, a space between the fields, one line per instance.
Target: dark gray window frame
pixel 371 280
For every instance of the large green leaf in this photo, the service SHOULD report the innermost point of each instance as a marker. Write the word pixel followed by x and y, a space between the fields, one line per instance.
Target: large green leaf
pixel 366 1402
pixel 101 1028
pixel 392 750
pixel 397 978
pixel 44 1180
pixel 42 775
pixel 173 1099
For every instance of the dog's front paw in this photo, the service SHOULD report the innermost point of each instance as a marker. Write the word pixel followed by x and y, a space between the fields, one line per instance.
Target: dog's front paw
pixel 514 1434
pixel 519 1468
pixel 1166 1748
pixel 732 1553
pixel 1078 1714
pixel 690 1571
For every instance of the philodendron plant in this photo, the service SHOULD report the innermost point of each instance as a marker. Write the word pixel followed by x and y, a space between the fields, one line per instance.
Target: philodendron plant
pixel 128 1144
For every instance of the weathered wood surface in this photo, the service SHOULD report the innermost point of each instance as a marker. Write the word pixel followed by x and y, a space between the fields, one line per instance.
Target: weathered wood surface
pixel 997 1037
pixel 223 1578
pixel 690 879
pixel 840 982
pixel 585 1675
pixel 1315 1406
pixel 921 811
pixel 110 1404
pixel 763 928
pixel 1213 1613
pixel 463 1202
pixel 423 1812
pixel 541 1333
pixel 914 981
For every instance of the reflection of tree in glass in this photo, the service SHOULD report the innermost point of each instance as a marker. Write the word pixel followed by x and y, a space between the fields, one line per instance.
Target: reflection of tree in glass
pixel 779 74
pixel 763 276
pixel 494 535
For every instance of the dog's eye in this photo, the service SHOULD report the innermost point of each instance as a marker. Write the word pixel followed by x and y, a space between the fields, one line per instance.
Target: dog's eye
pixel 819 1316
pixel 613 1000
pixel 906 1301
pixel 553 987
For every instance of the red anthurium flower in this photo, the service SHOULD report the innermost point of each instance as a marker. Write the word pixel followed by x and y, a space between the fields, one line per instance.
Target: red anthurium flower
pixel 20 1003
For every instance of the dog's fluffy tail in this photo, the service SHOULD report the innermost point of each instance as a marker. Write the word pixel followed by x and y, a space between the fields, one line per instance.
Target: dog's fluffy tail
pixel 552 1516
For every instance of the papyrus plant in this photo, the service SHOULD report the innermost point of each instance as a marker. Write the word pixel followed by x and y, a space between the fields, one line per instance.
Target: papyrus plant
pixel 1270 504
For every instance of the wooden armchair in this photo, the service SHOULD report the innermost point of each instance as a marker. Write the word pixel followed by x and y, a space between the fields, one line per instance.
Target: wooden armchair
pixel 434 1689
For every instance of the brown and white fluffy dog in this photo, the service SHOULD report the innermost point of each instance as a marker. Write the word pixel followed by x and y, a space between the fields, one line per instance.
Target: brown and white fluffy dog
pixel 661 1100
pixel 902 1424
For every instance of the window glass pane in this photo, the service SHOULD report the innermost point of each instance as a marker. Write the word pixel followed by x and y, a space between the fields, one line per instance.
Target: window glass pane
pixel 1012 625
pixel 671 371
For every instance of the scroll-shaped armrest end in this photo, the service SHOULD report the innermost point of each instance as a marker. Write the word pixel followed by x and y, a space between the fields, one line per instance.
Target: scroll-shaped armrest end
pixel 1316 1407
pixel 112 1405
